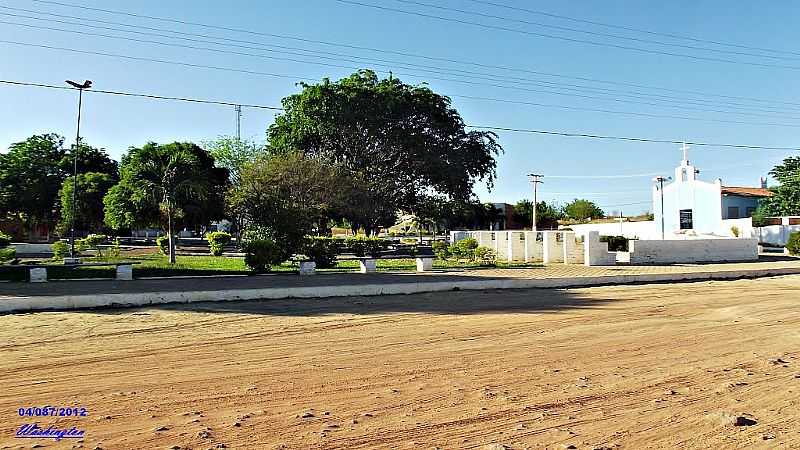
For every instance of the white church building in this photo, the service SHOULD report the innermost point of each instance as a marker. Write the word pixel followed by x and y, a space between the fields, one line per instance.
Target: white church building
pixel 688 206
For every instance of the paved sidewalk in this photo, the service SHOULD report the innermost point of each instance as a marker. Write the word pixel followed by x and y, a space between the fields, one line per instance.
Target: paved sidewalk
pixel 96 293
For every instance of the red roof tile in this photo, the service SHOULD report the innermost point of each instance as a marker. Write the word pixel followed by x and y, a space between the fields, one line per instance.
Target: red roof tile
pixel 746 191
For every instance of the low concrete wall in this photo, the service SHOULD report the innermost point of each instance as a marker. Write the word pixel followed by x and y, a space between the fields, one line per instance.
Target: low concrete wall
pixel 693 251
pixel 78 301
pixel 25 249
pixel 595 253
pixel 775 234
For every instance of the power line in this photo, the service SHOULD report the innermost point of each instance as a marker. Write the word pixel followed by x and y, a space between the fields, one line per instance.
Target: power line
pixel 253 72
pixel 407 54
pixel 591 33
pixel 552 92
pixel 491 77
pixel 150 96
pixel 490 128
pixel 632 139
pixel 627 28
pixel 568 39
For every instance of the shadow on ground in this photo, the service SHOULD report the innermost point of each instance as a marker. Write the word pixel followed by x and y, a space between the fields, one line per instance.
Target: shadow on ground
pixel 518 301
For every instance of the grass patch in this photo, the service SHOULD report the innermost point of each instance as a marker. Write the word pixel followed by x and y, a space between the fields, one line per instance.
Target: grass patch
pixel 157 265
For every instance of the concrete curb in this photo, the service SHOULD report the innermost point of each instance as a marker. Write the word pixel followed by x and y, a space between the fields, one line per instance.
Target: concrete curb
pixel 70 302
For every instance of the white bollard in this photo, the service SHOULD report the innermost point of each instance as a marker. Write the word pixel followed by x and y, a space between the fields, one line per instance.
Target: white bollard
pixel 424 264
pixel 367 265
pixel 308 268
pixel 38 275
pixel 125 272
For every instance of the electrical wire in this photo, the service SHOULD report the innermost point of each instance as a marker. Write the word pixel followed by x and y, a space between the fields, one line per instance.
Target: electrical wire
pixel 407 54
pixel 490 128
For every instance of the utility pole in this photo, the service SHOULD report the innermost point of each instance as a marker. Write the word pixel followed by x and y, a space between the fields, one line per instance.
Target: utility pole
pixel 536 180
pixel 660 180
pixel 80 87
pixel 238 109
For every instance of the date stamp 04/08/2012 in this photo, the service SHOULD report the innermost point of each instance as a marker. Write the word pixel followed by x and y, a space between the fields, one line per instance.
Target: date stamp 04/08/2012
pixel 54 431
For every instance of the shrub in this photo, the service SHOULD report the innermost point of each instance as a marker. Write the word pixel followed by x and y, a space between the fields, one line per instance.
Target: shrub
pixel 356 244
pixel 60 249
pixel 362 245
pixel 217 241
pixel 163 244
pixel 5 240
pixel 464 248
pixel 322 250
pixel 262 254
pixel 7 254
pixel 440 249
pixel 616 243
pixel 735 231
pixel 485 256
pixel 114 250
pixel 793 245
pixel 92 241
pixel 375 246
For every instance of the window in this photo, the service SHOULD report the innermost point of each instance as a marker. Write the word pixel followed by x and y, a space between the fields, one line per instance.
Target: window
pixel 733 212
pixel 683 175
pixel 686 219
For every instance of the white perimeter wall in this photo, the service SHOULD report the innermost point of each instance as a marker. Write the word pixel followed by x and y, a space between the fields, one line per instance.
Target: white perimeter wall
pixel 631 230
pixel 693 251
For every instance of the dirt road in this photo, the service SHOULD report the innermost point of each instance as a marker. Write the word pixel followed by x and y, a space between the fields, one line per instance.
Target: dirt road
pixel 655 366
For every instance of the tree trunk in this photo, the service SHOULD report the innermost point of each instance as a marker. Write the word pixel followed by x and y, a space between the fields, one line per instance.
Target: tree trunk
pixel 170 236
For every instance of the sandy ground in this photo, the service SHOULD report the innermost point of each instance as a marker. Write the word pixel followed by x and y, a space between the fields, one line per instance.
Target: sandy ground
pixel 653 366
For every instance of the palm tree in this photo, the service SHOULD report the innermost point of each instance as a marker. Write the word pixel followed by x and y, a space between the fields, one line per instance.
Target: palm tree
pixel 167 174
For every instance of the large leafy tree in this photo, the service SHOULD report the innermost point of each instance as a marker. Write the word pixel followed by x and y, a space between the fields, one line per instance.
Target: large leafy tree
pixel 785 200
pixel 580 209
pixel 547 215
pixel 286 197
pixel 177 180
pixel 30 177
pixel 397 142
pixel 32 174
pixel 92 188
pixel 234 154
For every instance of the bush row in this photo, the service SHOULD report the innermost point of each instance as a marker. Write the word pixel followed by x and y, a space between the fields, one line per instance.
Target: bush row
pixel 465 249
pixel 91 242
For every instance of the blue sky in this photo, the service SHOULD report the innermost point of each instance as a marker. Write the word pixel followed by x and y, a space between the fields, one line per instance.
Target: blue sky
pixel 117 123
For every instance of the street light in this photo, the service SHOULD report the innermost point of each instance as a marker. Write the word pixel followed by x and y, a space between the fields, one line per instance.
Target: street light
pixel 660 180
pixel 80 87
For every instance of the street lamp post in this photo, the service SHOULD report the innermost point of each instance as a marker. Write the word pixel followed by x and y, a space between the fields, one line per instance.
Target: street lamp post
pixel 80 87
pixel 660 180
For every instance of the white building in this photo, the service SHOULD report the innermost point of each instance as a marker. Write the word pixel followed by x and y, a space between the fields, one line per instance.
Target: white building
pixel 692 206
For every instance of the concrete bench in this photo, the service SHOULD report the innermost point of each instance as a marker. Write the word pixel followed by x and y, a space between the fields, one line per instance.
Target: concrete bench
pixel 37 273
pixel 368 264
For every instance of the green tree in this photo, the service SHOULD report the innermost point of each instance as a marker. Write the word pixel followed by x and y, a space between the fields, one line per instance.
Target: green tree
pixel 580 209
pixel 233 154
pixel 547 215
pixel 286 197
pixel 30 177
pixel 493 216
pixel 396 142
pixel 92 188
pixel 179 180
pixel 785 200
pixel 90 159
pixel 32 174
